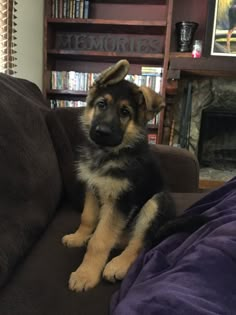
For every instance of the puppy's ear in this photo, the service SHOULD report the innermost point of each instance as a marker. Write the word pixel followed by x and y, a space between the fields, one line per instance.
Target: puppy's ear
pixel 154 102
pixel 113 74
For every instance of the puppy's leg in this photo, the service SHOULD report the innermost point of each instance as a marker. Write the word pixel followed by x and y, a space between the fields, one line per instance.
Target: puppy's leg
pixel 117 268
pixel 89 219
pixel 103 240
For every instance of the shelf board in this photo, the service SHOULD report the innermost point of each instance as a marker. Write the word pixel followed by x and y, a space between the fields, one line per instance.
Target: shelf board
pixel 66 92
pixel 107 22
pixel 111 56
pixel 177 54
pixel 152 127
pixel 204 66
pixel 158 2
pixel 157 27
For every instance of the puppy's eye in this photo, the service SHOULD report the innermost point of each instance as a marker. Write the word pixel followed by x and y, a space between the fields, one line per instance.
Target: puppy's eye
pixel 124 112
pixel 102 105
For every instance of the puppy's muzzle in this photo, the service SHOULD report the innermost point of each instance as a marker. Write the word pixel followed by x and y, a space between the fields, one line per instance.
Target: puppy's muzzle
pixel 103 131
pixel 106 135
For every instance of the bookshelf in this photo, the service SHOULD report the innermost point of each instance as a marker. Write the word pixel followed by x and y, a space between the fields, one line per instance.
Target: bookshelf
pixel 88 37
pixel 136 22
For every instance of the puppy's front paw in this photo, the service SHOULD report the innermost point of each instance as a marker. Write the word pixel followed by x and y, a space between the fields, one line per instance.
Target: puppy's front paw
pixel 116 269
pixel 74 240
pixel 83 280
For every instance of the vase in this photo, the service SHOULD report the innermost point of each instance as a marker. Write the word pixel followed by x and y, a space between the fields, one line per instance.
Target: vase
pixel 184 35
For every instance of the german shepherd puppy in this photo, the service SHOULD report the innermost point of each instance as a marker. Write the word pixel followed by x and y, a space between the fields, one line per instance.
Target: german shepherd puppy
pixel 125 199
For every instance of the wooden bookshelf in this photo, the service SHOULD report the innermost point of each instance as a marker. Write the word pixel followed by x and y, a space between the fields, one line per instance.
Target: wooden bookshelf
pixel 148 22
pixel 132 19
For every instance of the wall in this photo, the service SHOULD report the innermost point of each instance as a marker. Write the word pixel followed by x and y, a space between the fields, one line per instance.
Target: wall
pixel 30 40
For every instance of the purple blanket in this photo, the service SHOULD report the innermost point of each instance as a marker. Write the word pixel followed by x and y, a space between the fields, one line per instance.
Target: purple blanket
pixel 189 275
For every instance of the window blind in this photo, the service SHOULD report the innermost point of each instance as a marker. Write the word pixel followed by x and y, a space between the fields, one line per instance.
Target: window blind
pixel 8 10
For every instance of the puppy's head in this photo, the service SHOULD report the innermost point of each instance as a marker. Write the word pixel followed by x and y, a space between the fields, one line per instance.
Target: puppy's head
pixel 117 110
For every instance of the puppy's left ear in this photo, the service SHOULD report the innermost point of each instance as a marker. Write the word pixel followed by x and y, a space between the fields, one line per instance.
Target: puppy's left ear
pixel 154 102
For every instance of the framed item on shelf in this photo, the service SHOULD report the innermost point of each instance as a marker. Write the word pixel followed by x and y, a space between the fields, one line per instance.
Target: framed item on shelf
pixel 223 40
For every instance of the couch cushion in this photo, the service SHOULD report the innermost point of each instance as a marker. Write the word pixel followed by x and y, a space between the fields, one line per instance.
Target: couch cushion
pixel 30 182
pixel 40 285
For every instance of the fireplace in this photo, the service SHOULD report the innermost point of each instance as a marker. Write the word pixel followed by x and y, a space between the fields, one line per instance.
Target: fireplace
pixel 217 140
pixel 211 134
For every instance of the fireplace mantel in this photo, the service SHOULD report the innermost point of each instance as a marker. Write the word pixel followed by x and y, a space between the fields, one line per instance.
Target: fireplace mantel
pixel 182 65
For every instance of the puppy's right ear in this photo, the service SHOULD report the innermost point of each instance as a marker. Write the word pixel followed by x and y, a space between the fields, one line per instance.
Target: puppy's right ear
pixel 113 74
pixel 109 76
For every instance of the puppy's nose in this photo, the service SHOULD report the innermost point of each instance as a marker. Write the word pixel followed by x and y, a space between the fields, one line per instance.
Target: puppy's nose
pixel 103 130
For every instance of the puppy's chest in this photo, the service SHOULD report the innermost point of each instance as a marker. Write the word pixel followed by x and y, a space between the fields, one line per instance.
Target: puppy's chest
pixel 99 180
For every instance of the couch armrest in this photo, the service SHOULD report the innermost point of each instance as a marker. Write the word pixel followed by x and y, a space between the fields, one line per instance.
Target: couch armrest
pixel 179 167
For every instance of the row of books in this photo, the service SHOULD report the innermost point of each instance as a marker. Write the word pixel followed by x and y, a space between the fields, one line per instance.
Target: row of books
pixel 80 81
pixel 72 80
pixel 152 81
pixel 70 9
pixel 55 103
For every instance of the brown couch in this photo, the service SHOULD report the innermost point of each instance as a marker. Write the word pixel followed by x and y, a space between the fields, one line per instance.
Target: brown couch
pixel 40 201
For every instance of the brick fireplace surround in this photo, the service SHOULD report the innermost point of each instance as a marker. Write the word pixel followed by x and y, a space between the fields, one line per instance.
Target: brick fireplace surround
pixel 212 132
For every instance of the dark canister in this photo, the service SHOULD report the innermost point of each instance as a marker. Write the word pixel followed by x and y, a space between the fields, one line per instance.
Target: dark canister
pixel 184 35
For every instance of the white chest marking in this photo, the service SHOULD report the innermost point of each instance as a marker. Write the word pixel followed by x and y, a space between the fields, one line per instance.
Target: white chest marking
pixel 107 186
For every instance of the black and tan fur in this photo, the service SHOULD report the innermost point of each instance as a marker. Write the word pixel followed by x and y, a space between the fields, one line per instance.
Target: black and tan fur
pixel 125 201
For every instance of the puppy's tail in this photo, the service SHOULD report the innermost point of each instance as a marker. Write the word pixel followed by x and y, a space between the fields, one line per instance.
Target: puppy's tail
pixel 186 224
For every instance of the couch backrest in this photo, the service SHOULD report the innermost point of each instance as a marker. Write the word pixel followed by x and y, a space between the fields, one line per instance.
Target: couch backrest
pixel 30 180
pixel 179 167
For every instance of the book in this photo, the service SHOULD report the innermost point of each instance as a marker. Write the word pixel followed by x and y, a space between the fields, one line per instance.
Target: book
pixel 77 8
pixel 60 9
pixel 86 9
pixel 64 14
pixel 151 70
pixel 81 12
